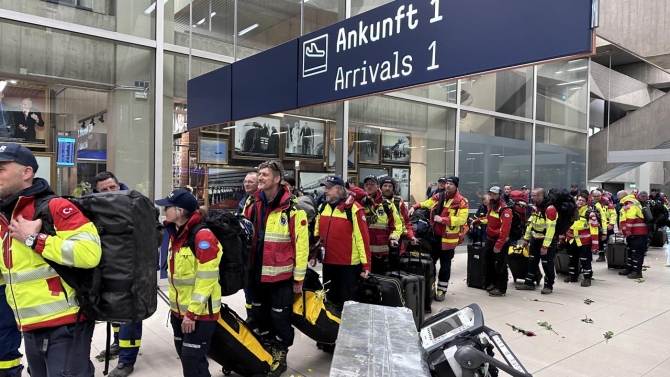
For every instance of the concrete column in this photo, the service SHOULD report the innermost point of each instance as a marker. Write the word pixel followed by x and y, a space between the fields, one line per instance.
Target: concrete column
pixel 642 179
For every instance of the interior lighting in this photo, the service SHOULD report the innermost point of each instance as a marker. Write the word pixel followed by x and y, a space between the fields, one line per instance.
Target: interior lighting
pixel 102 118
pixel 570 83
pixel 2 85
pixel 201 22
pixel 152 7
pixel 250 28
pixel 577 69
pixel 213 14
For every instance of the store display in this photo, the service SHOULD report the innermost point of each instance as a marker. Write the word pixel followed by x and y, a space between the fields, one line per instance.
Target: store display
pixel 225 187
pixel 368 145
pixel 213 151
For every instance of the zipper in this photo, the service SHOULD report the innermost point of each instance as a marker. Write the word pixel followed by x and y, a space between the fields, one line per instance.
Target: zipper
pixel 7 241
pixel 397 285
pixel 176 292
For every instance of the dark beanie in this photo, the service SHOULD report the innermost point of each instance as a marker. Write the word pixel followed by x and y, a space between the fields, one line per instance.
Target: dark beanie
pixel 453 180
pixel 387 179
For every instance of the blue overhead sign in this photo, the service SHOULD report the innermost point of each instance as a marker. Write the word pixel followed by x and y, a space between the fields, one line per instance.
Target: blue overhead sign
pixel 402 44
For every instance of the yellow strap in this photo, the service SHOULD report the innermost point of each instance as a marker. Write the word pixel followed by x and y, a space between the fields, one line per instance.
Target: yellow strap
pixel 127 343
pixel 10 363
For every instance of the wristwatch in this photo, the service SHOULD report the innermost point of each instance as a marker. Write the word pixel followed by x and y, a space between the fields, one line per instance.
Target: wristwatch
pixel 31 241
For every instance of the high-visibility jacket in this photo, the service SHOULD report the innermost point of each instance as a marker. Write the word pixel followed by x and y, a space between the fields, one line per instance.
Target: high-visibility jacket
pixel 499 224
pixel 631 219
pixel 194 277
pixel 401 206
pixel 454 217
pixel 35 292
pixel 388 226
pixel 284 234
pixel 542 225
pixel 346 242
pixel 604 215
pixel 584 231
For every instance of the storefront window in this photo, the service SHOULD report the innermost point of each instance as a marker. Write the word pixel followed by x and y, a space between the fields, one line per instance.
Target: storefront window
pixel 560 158
pixel 562 95
pixel 508 92
pixel 211 23
pixel 263 25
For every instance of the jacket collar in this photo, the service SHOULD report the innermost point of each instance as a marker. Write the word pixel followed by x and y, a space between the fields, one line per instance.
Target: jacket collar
pixel 182 233
pixel 281 201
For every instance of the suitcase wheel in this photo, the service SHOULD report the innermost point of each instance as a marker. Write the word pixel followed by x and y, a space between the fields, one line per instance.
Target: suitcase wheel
pixel 226 372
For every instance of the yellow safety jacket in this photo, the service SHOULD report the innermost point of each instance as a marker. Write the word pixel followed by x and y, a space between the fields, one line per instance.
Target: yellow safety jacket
pixel 454 215
pixel 604 216
pixel 388 226
pixel 585 230
pixel 542 225
pixel 35 292
pixel 194 276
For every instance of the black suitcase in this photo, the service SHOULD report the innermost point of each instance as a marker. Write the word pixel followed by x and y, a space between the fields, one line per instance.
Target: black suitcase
pixel 382 290
pixel 476 275
pixel 659 238
pixel 414 261
pixel 562 259
pixel 617 252
pixel 413 289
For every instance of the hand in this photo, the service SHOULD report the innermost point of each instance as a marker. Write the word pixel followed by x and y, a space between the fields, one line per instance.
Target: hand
pixel 21 228
pixel 34 116
pixel 496 250
pixel 365 274
pixel 543 250
pixel 524 243
pixel 22 127
pixel 603 238
pixel 187 325
pixel 394 243
pixel 411 211
pixel 414 241
pixel 312 262
pixel 437 219
pixel 297 287
pixel 430 184
pixel 610 227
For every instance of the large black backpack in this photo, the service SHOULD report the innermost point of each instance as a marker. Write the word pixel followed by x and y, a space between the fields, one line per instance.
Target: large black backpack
pixel 122 288
pixel 421 222
pixel 518 227
pixel 235 234
pixel 565 205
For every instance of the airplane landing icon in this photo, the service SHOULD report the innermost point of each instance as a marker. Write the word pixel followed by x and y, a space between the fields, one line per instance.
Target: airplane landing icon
pixel 315 56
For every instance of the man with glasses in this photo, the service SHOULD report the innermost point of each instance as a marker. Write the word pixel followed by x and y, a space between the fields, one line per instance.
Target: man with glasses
pixel 250 187
pixel 279 260
pixel 601 204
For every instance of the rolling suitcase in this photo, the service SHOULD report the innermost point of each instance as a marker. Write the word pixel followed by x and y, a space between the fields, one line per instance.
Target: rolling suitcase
pixel 382 290
pixel 414 261
pixel 476 275
pixel 562 259
pixel 659 238
pixel 617 252
pixel 413 290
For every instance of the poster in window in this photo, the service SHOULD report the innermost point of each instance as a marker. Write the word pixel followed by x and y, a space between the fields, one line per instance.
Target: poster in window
pixel 257 137
pixel 395 147
pixel 225 188
pixel 332 145
pixel 368 145
pixel 401 176
pixel 213 151
pixel 310 183
pixel 24 115
pixel 179 124
pixel 304 138
pixel 366 172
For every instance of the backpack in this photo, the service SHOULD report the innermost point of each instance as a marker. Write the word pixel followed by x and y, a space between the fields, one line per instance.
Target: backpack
pixel 122 288
pixel 518 227
pixel 347 211
pixel 236 233
pixel 565 206
pixel 421 222
pixel 593 209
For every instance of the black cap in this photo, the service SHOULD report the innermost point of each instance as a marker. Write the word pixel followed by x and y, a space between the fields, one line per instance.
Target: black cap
pixel 12 152
pixel 574 185
pixel 371 177
pixel 387 179
pixel 333 180
pixel 453 180
pixel 442 179
pixel 179 198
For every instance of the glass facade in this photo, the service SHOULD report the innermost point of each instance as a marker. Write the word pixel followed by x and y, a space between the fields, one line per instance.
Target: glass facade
pixel 520 126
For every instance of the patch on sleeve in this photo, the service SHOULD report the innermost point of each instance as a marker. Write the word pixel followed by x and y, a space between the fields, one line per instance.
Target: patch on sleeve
pixel 507 215
pixel 303 223
pixel 204 245
pixel 363 218
pixel 68 211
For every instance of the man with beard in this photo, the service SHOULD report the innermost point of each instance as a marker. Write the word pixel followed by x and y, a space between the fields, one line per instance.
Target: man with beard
pixel 541 234
pixel 388 186
pixel 574 190
pixel 495 249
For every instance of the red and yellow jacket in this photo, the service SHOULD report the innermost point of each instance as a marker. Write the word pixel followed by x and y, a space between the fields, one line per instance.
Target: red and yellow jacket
pixel 631 219
pixel 285 247
pixel 194 277
pixel 454 217
pixel 388 226
pixel 407 229
pixel 584 231
pixel 499 224
pixel 346 242
pixel 35 292
pixel 542 225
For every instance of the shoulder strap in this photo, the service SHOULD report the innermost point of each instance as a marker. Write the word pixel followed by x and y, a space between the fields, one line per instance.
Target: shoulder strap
pixel 322 206
pixel 387 209
pixel 396 202
pixel 190 241
pixel 42 212
pixel 347 211
pixel 440 204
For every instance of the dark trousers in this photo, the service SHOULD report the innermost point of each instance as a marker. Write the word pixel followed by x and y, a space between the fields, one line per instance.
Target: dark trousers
pixel 547 263
pixel 123 336
pixel 10 338
pixel 192 348
pixel 58 351
pixel 379 264
pixel 583 255
pixel 445 257
pixel 341 283
pixel 603 245
pixel 271 310
pixel 637 245
pixel 496 265
pixel 247 300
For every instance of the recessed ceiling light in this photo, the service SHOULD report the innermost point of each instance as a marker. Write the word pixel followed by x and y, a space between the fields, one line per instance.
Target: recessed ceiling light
pixel 137 119
pixel 201 22
pixel 250 28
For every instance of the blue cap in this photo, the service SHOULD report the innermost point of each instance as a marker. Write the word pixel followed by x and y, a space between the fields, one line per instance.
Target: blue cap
pixel 373 177
pixel 12 152
pixel 179 198
pixel 333 180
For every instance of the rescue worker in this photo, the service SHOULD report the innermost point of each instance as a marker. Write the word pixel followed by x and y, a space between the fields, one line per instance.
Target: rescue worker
pixel 441 182
pixel 481 220
pixel 127 339
pixel 448 229
pixel 250 187
pixel 279 260
pixel 44 305
pixel 499 219
pixel 384 224
pixel 388 187
pixel 507 190
pixel 601 204
pixel 655 195
pixel 574 190
pixel 10 338
pixel 193 278
pixel 582 239
pixel 632 226
pixel 541 235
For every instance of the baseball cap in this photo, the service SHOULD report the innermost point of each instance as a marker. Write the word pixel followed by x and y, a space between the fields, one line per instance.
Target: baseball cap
pixel 442 179
pixel 495 190
pixel 524 187
pixel 644 193
pixel 12 152
pixel 179 198
pixel 333 180
pixel 371 177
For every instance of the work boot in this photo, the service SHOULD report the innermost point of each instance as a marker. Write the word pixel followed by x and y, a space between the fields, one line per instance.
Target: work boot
pixel 490 288
pixel 524 287
pixel 441 295
pixel 113 351
pixel 546 291
pixel 586 283
pixel 635 275
pixel 624 272
pixel 328 348
pixel 279 366
pixel 122 370
pixel 601 258
pixel 495 292
pixel 571 280
pixel 428 309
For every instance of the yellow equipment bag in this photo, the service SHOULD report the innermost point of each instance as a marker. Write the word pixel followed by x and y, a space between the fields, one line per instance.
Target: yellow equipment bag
pixel 312 314
pixel 518 250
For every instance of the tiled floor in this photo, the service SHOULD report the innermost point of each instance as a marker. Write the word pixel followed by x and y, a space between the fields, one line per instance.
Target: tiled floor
pixel 637 313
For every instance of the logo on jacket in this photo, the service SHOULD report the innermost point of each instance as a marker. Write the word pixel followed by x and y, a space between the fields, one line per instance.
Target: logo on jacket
pixel 380 211
pixel 283 220
pixel 204 245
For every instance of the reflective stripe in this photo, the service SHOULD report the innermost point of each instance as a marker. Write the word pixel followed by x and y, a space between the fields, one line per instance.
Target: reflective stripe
pixel 299 273
pixel 207 274
pixel 45 309
pixel 10 363
pixel 277 237
pixel 551 225
pixel 182 308
pixel 189 345
pixel 67 248
pixel 636 225
pixel 197 297
pixel 274 271
pixel 216 303
pixel 378 225
pixel 127 343
pixel 183 282
pixel 379 248
pixel 41 273
pixel 115 328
